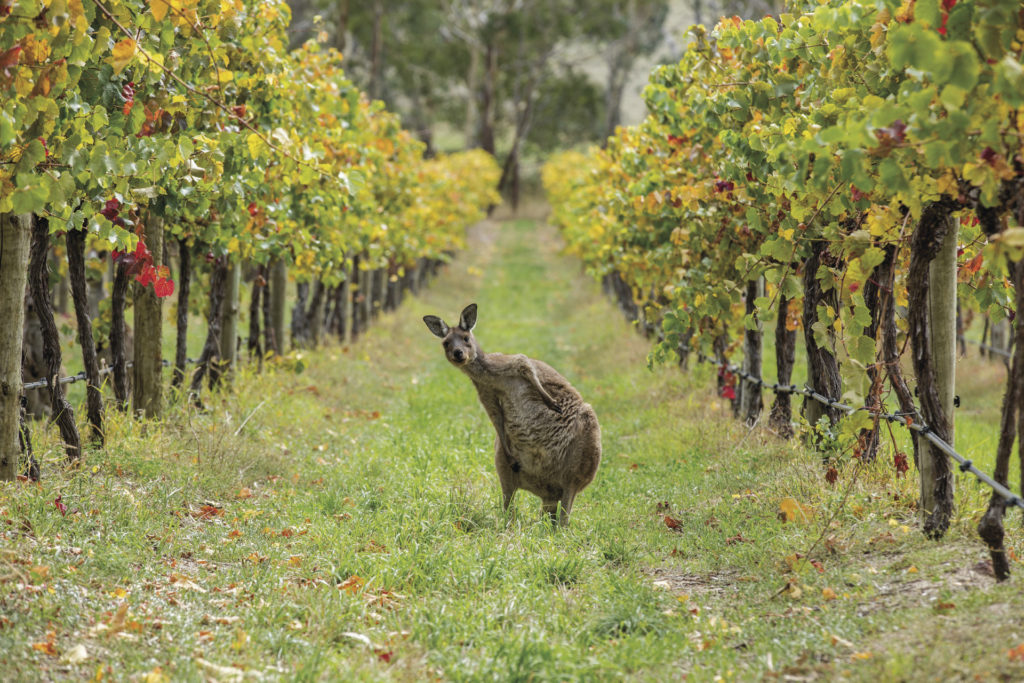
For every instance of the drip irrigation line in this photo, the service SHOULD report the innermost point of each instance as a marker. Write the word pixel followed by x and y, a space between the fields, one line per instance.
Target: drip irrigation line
pixel 80 377
pixel 965 465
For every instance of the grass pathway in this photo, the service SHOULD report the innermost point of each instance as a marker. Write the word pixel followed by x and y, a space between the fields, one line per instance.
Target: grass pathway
pixel 344 523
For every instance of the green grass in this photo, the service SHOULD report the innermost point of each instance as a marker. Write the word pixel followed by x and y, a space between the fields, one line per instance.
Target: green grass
pixel 354 527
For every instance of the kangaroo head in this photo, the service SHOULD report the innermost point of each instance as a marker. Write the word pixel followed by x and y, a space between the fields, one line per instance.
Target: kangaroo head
pixel 460 346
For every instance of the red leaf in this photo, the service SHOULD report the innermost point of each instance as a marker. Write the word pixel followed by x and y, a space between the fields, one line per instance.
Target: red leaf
pixel 672 522
pixel 146 276
pixel 163 287
pixel 729 392
pixel 60 506
pixel 899 461
pixel 11 57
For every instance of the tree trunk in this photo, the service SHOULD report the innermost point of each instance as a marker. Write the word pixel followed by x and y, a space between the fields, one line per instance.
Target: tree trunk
pixel 376 86
pixel 147 367
pixel 345 307
pixel 269 341
pixel 278 299
pixel 1011 424
pixel 229 316
pixel 38 281
pixel 366 304
pixel 752 400
pixel 890 341
pixel 184 286
pixel 485 131
pixel 208 359
pixel 618 75
pixel 300 323
pixel 822 367
pixel 255 349
pixel 317 312
pixel 869 438
pixel 118 355
pixel 785 356
pixel 75 241
pixel 342 30
pixel 932 331
pixel 15 236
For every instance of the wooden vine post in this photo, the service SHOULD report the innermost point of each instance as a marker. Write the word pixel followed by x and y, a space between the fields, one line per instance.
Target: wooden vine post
pixel 15 233
pixel 278 287
pixel 932 331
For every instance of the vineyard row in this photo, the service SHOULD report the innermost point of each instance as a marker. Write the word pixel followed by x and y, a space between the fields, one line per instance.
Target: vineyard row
pixel 141 137
pixel 853 170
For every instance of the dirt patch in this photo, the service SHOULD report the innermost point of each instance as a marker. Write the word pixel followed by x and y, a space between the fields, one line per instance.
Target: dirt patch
pixel 921 592
pixel 718 584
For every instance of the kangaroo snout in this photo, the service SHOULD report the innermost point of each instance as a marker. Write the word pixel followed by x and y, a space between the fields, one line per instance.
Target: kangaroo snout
pixel 458 355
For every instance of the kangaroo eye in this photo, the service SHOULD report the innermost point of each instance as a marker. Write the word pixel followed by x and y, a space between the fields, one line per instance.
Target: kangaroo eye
pixel 465 338
pixel 446 343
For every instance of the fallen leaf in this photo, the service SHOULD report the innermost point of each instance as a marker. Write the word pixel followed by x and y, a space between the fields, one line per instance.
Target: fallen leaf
pixel 243 493
pixel 1017 654
pixel 76 655
pixel 828 594
pixel 117 622
pixel 793 511
pixel 47 648
pixel 944 606
pixel 357 636
pixel 352 584
pixel 672 522
pixel 219 672
pixel 861 655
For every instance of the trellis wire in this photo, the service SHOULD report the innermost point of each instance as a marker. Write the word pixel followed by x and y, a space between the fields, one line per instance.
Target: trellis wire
pixel 966 465
pixel 80 377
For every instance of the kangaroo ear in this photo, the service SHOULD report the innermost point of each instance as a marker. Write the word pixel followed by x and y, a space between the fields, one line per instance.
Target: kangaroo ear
pixel 467 320
pixel 436 325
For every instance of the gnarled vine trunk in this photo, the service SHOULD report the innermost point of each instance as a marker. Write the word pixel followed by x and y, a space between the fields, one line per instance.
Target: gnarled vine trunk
pixel 184 287
pixel 147 352
pixel 118 355
pixel 38 280
pixel 781 415
pixel 75 240
pixel 822 367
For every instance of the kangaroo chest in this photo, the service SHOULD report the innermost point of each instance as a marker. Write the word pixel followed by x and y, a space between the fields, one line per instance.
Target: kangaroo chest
pixel 523 419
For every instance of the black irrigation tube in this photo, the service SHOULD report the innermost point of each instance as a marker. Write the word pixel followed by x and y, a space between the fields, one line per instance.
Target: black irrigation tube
pixel 1012 499
pixel 80 377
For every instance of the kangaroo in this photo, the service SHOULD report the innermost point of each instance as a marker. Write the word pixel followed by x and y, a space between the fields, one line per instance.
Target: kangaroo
pixel 547 441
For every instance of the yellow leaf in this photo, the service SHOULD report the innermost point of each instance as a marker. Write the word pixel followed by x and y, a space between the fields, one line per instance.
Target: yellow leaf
pixel 157 675
pixel 159 9
pixel 156 60
pixel 225 75
pixel 794 511
pixel 828 594
pixel 255 144
pixel 123 52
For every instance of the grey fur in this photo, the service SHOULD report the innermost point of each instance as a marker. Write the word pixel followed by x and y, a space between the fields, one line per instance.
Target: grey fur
pixel 547 441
